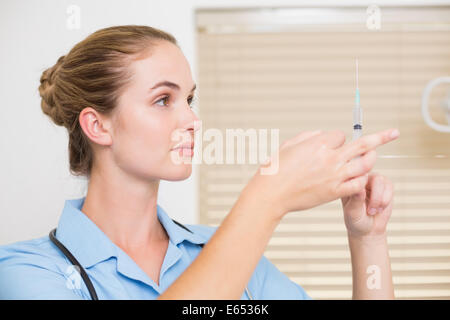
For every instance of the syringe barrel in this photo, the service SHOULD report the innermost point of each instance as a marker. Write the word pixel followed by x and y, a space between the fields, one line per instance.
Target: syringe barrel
pixel 357 122
pixel 357 133
pixel 357 116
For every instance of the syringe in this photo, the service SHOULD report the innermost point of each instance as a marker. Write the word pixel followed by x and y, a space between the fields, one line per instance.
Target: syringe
pixel 357 111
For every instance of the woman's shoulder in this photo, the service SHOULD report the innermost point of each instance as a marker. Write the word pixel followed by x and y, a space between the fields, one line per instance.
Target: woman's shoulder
pixel 22 261
pixel 24 264
pixel 37 252
pixel 37 247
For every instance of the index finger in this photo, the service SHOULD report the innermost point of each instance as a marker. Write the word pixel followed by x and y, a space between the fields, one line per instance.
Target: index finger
pixel 367 143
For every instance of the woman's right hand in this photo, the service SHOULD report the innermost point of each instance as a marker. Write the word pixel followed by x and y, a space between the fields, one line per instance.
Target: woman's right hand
pixel 315 167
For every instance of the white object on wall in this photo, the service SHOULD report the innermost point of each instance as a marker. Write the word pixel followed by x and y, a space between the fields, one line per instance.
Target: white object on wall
pixel 445 105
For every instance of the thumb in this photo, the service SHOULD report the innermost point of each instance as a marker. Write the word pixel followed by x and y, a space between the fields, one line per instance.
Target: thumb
pixel 354 207
pixel 356 200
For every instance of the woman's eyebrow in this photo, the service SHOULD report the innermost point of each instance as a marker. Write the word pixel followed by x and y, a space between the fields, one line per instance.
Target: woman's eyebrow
pixel 170 85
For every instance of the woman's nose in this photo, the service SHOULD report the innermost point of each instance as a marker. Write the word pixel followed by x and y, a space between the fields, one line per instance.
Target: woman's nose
pixel 191 121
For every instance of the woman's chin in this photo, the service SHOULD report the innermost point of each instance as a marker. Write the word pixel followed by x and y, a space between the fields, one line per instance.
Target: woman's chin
pixel 179 167
pixel 179 172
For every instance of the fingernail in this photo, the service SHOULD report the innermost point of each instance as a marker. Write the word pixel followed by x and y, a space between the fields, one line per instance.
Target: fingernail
pixel 395 134
pixel 372 211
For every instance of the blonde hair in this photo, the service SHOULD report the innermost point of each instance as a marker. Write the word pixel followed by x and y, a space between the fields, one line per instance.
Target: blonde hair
pixel 93 74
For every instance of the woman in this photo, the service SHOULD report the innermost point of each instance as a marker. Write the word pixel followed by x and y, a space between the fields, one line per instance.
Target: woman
pixel 122 93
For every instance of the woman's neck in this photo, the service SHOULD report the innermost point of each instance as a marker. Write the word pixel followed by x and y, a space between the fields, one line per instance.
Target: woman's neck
pixel 125 209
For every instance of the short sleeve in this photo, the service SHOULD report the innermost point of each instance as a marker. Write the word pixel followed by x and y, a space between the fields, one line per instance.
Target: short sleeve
pixel 30 278
pixel 275 285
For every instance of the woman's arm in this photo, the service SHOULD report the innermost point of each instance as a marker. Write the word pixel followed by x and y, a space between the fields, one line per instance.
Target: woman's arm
pixel 371 268
pixel 228 259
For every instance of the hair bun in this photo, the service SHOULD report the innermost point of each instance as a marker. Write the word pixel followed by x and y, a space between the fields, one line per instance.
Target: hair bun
pixel 46 90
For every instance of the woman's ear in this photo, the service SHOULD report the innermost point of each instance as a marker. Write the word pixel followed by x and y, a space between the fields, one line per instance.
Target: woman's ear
pixel 96 127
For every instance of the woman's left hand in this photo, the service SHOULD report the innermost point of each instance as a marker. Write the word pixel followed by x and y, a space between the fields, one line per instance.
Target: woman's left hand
pixel 367 213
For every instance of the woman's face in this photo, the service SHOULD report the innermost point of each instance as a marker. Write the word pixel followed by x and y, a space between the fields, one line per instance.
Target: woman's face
pixel 154 115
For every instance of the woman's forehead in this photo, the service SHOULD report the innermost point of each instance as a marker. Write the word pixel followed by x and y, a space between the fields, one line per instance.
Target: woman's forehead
pixel 166 63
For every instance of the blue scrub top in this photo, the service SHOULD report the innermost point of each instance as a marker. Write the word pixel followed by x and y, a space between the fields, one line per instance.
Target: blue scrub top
pixel 37 269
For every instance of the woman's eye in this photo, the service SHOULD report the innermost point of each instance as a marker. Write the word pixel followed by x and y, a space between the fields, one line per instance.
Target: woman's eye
pixel 165 101
pixel 166 98
pixel 191 101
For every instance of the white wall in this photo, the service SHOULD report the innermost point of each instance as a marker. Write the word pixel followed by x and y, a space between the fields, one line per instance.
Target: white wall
pixel 35 179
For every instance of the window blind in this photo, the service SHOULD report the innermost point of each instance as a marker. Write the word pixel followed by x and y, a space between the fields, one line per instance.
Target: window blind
pixel 295 71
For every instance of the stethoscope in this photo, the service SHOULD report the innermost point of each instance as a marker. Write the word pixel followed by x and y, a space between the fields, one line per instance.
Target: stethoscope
pixel 83 273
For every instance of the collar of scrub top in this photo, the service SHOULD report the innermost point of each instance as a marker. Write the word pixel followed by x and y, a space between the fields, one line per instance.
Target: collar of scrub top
pixel 90 245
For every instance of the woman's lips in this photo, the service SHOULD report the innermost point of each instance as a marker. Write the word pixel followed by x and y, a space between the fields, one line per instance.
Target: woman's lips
pixel 184 145
pixel 188 151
